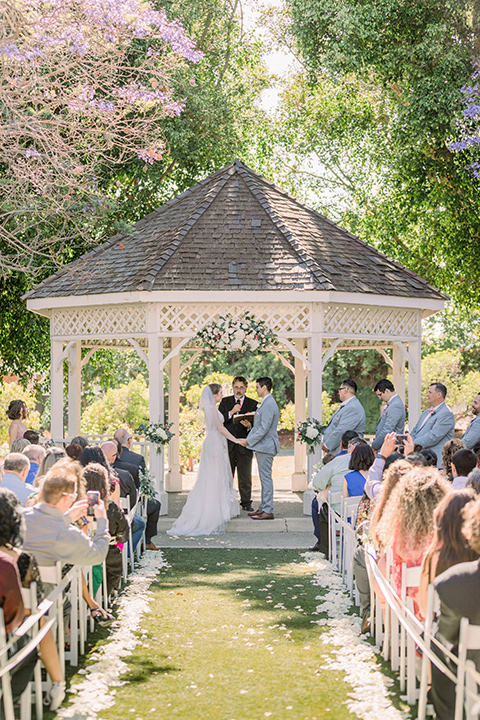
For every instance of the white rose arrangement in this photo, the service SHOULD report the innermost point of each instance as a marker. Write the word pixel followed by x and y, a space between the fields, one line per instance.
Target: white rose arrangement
pixel 310 432
pixel 157 433
pixel 242 335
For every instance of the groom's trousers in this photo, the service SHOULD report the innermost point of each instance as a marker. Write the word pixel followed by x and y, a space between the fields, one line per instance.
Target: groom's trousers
pixel 241 458
pixel 265 462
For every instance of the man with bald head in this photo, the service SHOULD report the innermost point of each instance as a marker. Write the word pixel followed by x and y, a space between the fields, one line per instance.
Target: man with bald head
pixel 110 451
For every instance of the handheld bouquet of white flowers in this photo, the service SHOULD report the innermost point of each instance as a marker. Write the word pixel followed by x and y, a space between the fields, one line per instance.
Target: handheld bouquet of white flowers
pixel 310 432
pixel 236 335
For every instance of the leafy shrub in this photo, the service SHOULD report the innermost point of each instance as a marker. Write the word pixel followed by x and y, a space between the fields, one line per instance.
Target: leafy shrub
pixel 125 405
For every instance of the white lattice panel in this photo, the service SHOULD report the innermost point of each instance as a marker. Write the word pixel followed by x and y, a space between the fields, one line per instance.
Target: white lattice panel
pixel 351 320
pixel 98 321
pixel 188 319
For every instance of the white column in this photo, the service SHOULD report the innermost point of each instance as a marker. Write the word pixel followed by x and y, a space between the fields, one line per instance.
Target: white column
pixel 299 477
pixel 315 348
pixel 157 413
pixel 74 388
pixel 414 383
pixel 399 371
pixel 56 377
pixel 174 477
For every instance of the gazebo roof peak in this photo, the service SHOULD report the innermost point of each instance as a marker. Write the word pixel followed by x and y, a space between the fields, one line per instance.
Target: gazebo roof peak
pixel 235 231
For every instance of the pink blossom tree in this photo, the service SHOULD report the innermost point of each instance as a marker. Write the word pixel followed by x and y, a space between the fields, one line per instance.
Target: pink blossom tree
pixel 85 85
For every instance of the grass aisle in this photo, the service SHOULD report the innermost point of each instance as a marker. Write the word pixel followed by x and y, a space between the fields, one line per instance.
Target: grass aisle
pixel 230 636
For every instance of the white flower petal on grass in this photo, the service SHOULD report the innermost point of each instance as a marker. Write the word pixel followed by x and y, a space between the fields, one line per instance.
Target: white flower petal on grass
pixel 97 691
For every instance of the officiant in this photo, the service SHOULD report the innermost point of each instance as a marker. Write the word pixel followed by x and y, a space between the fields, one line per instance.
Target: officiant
pixel 240 457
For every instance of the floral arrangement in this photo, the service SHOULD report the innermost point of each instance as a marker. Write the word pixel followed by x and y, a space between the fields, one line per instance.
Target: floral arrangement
pixel 230 335
pixel 157 433
pixel 310 432
pixel 147 483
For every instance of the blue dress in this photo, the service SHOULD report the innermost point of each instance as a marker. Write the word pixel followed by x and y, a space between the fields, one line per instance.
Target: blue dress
pixel 355 483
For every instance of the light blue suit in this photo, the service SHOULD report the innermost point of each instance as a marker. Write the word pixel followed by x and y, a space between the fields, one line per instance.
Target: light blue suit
pixel 391 420
pixel 350 416
pixel 472 433
pixel 263 439
pixel 436 431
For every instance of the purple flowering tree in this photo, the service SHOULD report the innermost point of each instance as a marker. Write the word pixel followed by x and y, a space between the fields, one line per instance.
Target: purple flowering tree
pixel 85 85
pixel 470 127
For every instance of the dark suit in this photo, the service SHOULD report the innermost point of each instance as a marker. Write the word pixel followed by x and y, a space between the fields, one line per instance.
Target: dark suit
pixel 127 486
pixel 153 506
pixel 132 469
pixel 240 457
pixel 459 590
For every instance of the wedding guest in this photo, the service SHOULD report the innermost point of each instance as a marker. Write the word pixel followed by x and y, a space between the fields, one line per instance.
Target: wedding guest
pixel 472 433
pixel 463 463
pixel 437 424
pixel 32 437
pixel 127 455
pixel 80 440
pixel 474 480
pixel 361 461
pixel 392 418
pixel 430 456
pixel 15 471
pixel 449 545
pixel 35 453
pixel 74 450
pixel 52 455
pixel 19 445
pixel 330 477
pixel 349 416
pixel 17 412
pixel 11 600
pixel 449 450
pixel 240 457
pixel 458 589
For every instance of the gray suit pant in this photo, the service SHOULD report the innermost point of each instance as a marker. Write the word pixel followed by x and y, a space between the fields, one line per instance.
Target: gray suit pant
pixel 265 462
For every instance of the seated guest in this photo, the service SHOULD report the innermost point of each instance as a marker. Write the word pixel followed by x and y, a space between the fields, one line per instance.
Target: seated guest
pixel 472 433
pixel 153 506
pixel 361 461
pixel 19 445
pixel 349 416
pixel 474 480
pixel 32 437
pixel 392 418
pixel 50 534
pixel 74 451
pixel 11 538
pixel 125 440
pixel 11 600
pixel 437 424
pixel 121 465
pixel 458 589
pixel 96 478
pixel 35 453
pixel 449 545
pixel 52 455
pixel 463 463
pixel 80 440
pixel 407 521
pixel 449 450
pixel 431 459
pixel 330 477
pixel 15 471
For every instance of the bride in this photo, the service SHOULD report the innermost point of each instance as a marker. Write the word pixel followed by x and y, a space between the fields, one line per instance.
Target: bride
pixel 211 502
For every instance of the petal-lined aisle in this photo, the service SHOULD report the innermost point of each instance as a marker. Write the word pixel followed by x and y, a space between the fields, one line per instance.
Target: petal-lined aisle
pixel 236 634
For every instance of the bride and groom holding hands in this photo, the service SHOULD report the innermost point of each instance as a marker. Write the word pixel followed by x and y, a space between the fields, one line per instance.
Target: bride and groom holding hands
pixel 229 445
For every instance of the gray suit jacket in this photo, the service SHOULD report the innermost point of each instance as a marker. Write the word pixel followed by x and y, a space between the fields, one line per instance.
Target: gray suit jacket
pixel 263 437
pixel 472 433
pixel 348 417
pixel 391 420
pixel 437 430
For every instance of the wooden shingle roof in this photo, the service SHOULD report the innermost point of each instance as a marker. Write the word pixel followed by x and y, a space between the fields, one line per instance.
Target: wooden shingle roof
pixel 234 231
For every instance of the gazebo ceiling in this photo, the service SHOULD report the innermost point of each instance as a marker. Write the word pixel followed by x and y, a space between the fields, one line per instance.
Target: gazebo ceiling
pixel 235 231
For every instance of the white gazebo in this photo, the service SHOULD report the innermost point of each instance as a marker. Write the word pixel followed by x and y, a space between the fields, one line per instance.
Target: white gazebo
pixel 232 244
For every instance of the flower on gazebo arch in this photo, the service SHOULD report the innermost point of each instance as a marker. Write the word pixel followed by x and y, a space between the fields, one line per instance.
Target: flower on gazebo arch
pixel 227 334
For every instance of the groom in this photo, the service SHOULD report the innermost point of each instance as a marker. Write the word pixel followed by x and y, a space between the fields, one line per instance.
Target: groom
pixel 263 439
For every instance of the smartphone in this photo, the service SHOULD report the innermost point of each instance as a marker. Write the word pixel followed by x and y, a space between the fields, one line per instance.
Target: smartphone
pixel 401 438
pixel 93 497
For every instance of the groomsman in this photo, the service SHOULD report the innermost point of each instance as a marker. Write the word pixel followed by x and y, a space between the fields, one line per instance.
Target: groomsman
pixel 392 418
pixel 349 416
pixel 435 425
pixel 472 434
pixel 240 457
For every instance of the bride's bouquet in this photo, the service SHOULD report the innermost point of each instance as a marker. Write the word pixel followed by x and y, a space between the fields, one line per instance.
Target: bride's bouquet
pixel 310 432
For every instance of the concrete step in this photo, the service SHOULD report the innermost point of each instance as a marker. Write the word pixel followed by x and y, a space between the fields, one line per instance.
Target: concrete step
pixel 247 525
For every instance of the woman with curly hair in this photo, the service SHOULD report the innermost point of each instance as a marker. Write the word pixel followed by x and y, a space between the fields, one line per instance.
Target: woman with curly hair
pixel 407 521
pixel 17 412
pixel 11 539
pixel 449 450
pixel 449 545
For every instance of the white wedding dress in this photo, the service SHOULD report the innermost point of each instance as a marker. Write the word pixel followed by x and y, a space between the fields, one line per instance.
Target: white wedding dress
pixel 212 501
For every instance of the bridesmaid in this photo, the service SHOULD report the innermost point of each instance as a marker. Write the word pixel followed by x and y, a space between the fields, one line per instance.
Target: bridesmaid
pixel 17 412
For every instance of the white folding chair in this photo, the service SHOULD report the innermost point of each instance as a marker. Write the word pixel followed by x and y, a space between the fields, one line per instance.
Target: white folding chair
pixel 469 640
pixel 130 513
pixel 334 498
pixel 376 615
pixel 52 574
pixel 348 541
pixel 410 579
pixel 433 606
pixel 29 596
